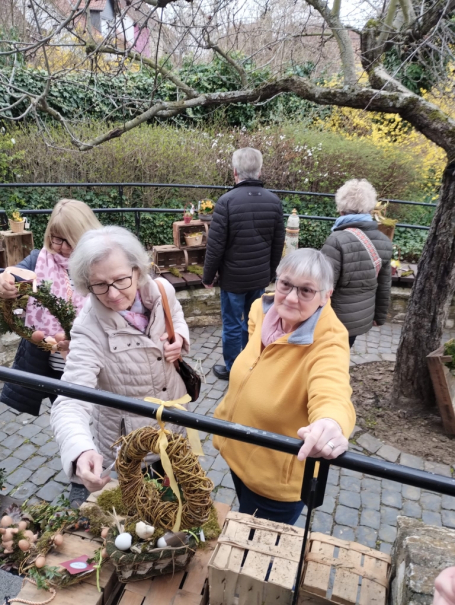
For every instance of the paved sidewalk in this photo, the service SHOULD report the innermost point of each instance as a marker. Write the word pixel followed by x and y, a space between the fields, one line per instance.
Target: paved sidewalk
pixel 356 507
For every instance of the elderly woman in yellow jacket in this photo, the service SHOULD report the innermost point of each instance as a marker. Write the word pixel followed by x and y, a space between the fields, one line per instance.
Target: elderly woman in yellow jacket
pixel 292 378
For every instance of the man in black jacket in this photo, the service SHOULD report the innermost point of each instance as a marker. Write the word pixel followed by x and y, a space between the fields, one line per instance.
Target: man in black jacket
pixel 244 245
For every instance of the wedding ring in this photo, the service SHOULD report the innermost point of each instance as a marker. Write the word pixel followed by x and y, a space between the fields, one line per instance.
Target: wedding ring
pixel 330 444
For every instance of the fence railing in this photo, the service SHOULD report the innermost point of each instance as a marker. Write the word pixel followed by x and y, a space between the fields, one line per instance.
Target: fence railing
pixel 313 488
pixel 138 211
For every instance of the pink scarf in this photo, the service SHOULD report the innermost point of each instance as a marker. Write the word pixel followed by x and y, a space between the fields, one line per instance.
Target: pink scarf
pixel 271 327
pixel 54 268
pixel 137 316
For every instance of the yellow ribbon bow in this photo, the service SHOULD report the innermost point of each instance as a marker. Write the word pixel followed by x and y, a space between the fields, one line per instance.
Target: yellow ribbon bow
pixel 193 438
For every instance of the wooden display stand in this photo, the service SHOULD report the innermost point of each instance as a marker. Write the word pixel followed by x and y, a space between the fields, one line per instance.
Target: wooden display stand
pixel 187 587
pixel 444 387
pixel 14 247
pixel 180 227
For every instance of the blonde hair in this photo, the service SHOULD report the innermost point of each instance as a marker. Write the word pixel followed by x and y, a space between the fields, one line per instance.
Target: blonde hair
pixel 356 196
pixel 70 219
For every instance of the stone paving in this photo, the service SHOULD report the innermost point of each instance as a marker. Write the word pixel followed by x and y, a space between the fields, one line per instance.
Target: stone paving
pixel 356 507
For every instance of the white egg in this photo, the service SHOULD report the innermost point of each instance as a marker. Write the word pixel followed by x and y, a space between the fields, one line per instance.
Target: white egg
pixel 161 543
pixel 144 531
pixel 123 541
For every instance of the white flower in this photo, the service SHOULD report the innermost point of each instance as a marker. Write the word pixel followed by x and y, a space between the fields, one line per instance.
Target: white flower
pixel 13 141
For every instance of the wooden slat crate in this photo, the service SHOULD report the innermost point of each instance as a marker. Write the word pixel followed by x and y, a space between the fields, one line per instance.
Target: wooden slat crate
pixel 338 571
pixel 166 257
pixel 444 387
pixel 188 587
pixel 255 562
pixel 194 256
pixel 14 247
pixel 179 228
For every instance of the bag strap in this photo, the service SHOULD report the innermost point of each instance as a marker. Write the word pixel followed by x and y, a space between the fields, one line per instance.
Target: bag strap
pixel 369 247
pixel 167 312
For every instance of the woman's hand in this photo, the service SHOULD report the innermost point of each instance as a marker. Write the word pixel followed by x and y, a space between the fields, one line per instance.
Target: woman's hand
pixel 89 467
pixel 444 587
pixel 63 345
pixel 172 351
pixel 323 439
pixel 7 287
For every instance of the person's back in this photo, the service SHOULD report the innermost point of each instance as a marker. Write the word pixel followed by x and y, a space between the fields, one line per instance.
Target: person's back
pixel 246 237
pixel 361 293
pixel 244 246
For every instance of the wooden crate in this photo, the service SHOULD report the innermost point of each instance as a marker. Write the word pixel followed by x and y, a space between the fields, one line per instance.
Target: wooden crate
pixel 338 571
pixel 444 387
pixel 187 587
pixel 179 228
pixel 194 256
pixel 14 247
pixel 255 562
pixel 166 257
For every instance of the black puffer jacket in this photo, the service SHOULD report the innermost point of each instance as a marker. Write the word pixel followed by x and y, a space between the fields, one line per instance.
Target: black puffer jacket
pixel 246 238
pixel 359 297
pixel 29 358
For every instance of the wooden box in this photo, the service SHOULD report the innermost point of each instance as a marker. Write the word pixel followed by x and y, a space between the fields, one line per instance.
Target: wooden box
pixel 338 571
pixel 179 228
pixel 444 387
pixel 255 562
pixel 14 247
pixel 166 257
pixel 194 256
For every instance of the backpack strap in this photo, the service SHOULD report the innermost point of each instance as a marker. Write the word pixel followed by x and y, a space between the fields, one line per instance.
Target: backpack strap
pixel 369 247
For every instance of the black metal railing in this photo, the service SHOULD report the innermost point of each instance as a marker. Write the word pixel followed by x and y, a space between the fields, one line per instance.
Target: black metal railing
pixel 138 211
pixel 313 488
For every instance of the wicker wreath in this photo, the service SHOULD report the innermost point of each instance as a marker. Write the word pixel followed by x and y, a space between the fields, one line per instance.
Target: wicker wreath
pixel 12 321
pixel 143 498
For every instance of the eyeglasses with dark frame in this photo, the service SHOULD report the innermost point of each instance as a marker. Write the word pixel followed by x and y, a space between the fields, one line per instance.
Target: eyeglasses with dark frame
pixel 303 292
pixel 59 241
pixel 123 283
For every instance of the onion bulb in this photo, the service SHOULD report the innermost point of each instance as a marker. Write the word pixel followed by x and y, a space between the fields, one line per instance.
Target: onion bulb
pixel 6 521
pixel 24 545
pixel 40 562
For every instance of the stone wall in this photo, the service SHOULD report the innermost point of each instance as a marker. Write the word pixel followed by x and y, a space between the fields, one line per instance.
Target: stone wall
pixel 421 552
pixel 8 347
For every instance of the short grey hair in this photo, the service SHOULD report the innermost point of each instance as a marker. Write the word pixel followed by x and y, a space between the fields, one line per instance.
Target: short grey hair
pixel 96 245
pixel 356 196
pixel 247 162
pixel 307 263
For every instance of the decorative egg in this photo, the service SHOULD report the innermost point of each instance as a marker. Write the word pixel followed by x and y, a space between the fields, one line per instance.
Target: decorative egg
pixel 6 521
pixel 22 525
pixel 8 535
pixel 123 541
pixel 104 532
pixel 161 543
pixel 40 562
pixel 24 545
pixel 7 545
pixel 38 336
pixel 58 540
pixel 31 537
pixel 104 553
pixel 144 531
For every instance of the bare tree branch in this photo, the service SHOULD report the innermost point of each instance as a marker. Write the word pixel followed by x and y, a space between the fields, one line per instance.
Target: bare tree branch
pixel 237 66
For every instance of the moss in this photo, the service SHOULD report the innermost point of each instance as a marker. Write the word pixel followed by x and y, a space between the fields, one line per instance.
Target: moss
pixel 175 272
pixel 110 499
pixel 98 519
pixel 196 269
pixel 212 528
pixel 449 349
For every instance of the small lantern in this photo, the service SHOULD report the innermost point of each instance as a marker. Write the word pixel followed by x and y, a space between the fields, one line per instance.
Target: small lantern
pixel 291 241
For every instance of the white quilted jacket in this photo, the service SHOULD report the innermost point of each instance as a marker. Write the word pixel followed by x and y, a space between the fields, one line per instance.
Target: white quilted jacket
pixel 109 354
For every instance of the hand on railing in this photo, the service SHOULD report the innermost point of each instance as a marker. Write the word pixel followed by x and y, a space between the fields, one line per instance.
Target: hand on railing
pixel 323 439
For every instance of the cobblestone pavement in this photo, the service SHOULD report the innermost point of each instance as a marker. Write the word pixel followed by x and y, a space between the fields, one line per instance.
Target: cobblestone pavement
pixel 356 507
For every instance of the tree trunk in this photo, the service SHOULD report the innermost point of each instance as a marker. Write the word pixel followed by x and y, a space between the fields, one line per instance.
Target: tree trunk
pixel 428 304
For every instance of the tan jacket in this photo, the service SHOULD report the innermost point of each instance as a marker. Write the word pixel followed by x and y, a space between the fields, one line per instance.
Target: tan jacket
pixel 107 353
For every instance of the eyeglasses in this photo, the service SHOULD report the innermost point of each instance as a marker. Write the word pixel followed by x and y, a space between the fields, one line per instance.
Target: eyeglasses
pixel 59 241
pixel 119 284
pixel 303 292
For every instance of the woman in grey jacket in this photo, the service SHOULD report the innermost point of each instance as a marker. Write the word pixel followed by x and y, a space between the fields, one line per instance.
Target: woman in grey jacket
pixel 360 255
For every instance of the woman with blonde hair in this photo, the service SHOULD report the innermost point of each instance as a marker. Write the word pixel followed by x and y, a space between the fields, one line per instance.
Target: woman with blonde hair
pixel 360 256
pixel 69 220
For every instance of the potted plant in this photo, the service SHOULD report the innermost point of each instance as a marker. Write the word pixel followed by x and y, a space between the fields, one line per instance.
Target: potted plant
pixel 206 208
pixel 188 213
pixel 16 221
pixel 193 239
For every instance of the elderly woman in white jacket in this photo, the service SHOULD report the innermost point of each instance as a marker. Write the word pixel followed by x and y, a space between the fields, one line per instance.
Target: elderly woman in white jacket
pixel 118 344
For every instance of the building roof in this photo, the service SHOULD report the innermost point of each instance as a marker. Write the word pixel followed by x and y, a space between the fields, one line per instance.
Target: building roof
pixel 97 5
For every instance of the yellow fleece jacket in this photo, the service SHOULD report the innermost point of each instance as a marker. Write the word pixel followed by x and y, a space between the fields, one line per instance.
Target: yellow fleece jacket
pixel 282 388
